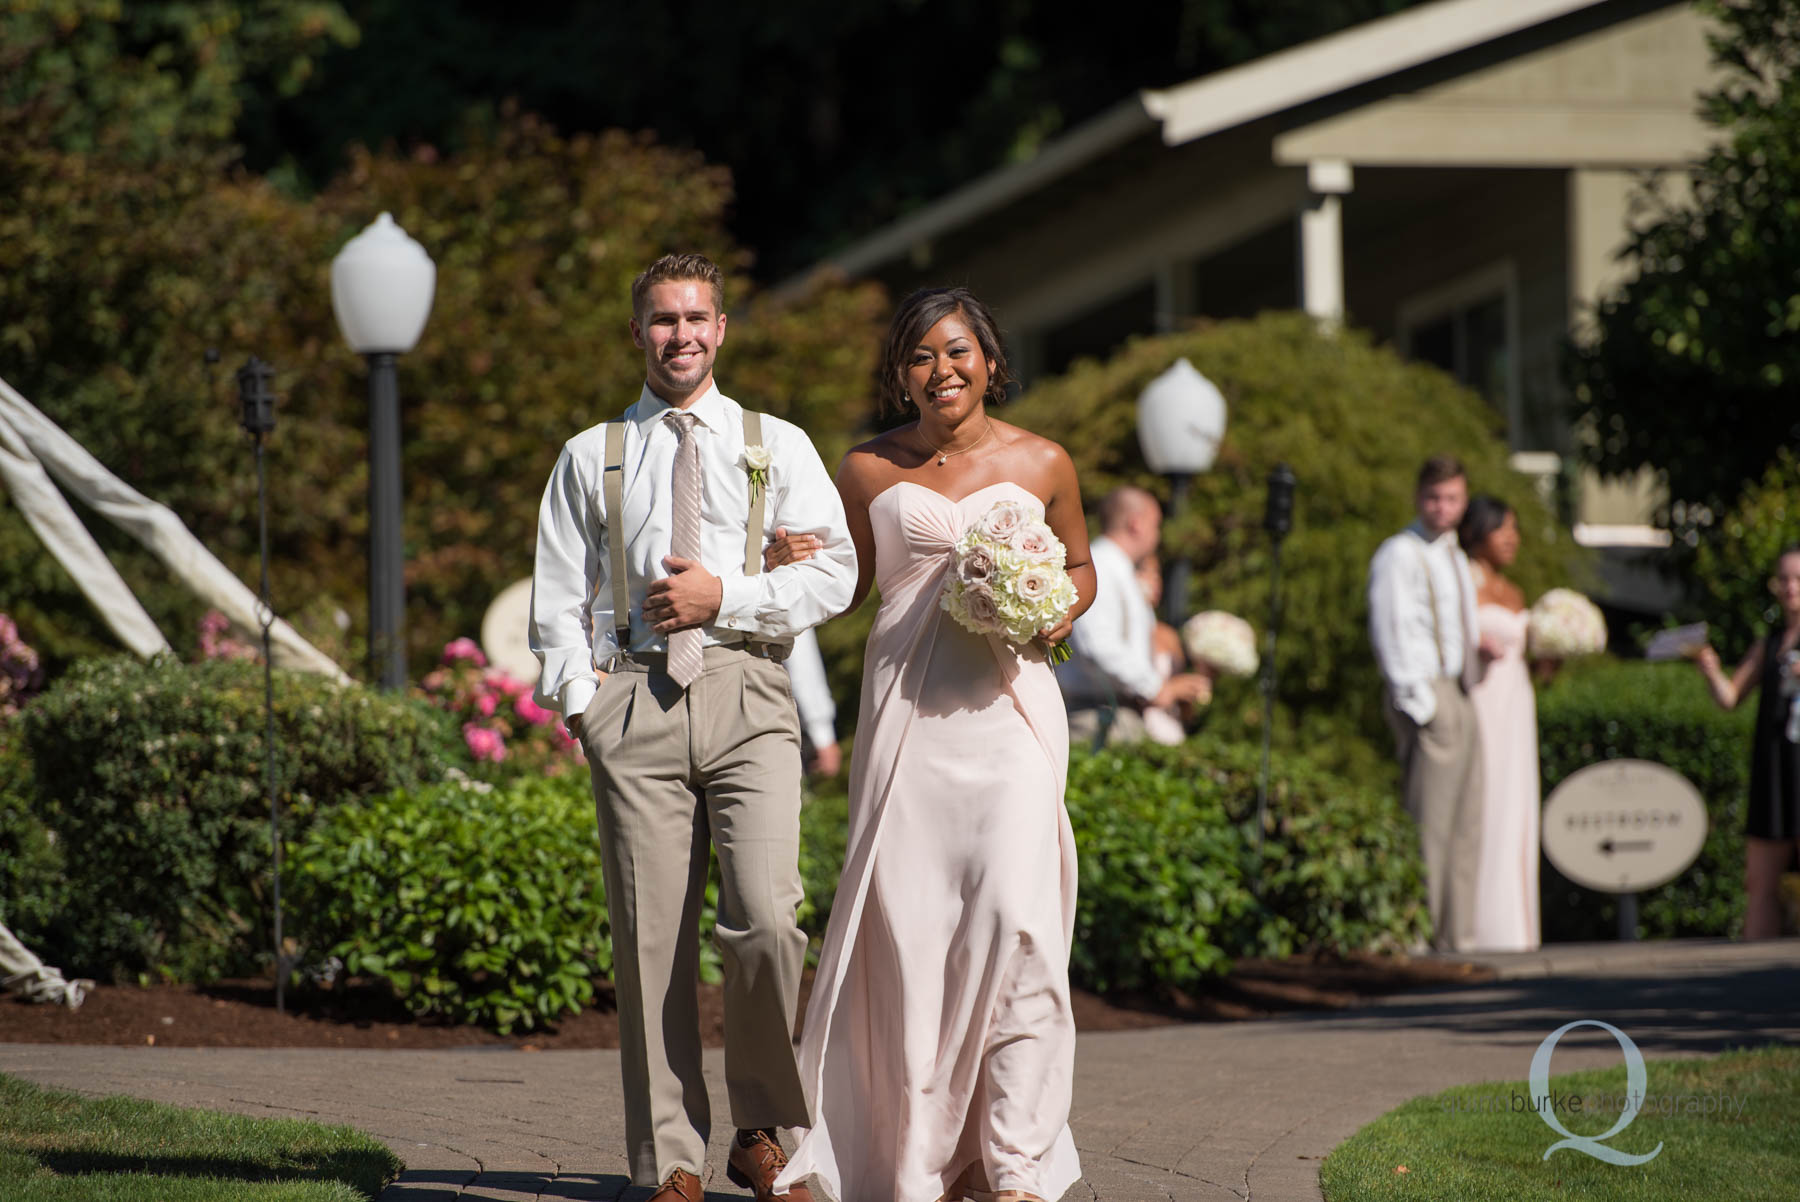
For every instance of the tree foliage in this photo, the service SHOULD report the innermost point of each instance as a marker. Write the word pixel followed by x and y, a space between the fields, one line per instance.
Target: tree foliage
pixel 118 271
pixel 1355 421
pixel 1706 339
pixel 834 116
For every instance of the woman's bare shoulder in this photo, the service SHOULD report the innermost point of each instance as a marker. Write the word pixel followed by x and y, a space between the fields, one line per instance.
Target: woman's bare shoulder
pixel 871 466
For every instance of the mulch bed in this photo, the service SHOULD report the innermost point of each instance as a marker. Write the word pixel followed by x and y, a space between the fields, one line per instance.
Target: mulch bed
pixel 241 1014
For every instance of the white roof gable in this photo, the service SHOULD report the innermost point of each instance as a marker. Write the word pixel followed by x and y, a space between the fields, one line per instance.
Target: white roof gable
pixel 1343 60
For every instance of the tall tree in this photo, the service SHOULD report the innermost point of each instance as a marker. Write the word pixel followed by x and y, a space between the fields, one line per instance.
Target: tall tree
pixel 1705 341
pixel 834 116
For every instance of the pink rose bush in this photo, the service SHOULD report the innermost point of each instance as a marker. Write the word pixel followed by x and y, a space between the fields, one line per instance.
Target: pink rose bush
pixel 1009 577
pixel 501 723
pixel 21 675
pixel 217 641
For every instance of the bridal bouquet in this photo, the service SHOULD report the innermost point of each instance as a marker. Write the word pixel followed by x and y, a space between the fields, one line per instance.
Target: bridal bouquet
pixel 1008 578
pixel 1222 641
pixel 1564 624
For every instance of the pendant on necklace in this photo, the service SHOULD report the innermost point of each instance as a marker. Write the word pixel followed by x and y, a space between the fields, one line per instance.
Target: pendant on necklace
pixel 941 459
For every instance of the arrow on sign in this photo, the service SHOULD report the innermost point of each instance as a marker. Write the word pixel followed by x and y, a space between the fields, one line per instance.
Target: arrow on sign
pixel 1611 845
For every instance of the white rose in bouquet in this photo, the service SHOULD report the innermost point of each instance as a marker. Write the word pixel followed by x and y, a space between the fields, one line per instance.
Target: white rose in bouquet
pixel 1563 625
pixel 1222 641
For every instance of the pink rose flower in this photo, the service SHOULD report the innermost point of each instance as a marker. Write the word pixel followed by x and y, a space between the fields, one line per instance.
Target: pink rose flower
pixel 487 704
pixel 532 712
pixel 976 565
pixel 1036 542
pixel 984 611
pixel 488 746
pixel 1002 521
pixel 464 648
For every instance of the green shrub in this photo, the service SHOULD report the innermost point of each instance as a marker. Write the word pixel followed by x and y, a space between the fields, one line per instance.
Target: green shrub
pixel 824 836
pixel 151 776
pixel 1355 421
pixel 1169 886
pixel 475 902
pixel 1733 562
pixel 32 880
pixel 1633 710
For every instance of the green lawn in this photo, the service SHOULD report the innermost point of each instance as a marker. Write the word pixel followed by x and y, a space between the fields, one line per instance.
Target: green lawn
pixel 1468 1144
pixel 62 1147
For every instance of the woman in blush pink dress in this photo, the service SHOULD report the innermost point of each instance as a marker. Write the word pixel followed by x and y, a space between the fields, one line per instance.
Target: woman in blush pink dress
pixel 1506 883
pixel 939 1045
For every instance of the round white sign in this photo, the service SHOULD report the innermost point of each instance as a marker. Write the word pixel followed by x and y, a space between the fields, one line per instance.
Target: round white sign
pixel 1624 825
pixel 506 632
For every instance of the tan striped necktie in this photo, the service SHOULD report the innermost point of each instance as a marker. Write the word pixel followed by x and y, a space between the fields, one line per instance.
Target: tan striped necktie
pixel 684 540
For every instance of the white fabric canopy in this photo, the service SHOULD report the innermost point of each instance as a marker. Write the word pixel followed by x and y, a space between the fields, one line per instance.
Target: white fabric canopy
pixel 30 443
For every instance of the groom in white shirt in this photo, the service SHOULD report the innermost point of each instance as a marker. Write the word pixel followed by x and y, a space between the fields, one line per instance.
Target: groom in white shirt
pixel 1422 624
pixel 661 641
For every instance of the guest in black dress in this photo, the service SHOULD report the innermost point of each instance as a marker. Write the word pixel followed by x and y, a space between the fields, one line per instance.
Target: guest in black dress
pixel 1773 827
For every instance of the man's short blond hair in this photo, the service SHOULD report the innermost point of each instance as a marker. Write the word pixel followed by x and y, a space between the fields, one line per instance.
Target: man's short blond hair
pixel 676 269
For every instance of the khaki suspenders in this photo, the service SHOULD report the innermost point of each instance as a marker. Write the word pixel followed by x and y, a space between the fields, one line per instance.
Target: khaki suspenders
pixel 612 487
pixel 753 529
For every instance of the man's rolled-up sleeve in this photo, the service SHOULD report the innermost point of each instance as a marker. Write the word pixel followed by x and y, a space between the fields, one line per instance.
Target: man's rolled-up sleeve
pixel 779 604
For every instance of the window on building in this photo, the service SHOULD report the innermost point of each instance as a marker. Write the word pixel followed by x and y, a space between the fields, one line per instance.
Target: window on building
pixel 1470 328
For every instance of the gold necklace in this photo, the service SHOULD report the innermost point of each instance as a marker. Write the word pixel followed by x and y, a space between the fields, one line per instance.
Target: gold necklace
pixel 944 455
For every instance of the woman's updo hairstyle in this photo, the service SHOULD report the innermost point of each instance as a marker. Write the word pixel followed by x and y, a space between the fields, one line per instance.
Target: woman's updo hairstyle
pixel 1484 515
pixel 914 319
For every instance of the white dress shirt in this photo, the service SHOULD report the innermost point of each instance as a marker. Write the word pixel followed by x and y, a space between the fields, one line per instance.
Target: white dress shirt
pixel 572 622
pixel 812 691
pixel 1113 642
pixel 1413 646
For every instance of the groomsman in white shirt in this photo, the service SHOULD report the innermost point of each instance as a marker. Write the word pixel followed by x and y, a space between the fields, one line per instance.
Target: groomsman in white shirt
pixel 661 639
pixel 1112 677
pixel 1423 627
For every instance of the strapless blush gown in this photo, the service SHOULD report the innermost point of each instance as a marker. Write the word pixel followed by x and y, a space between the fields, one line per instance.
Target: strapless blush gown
pixel 939 1036
pixel 1506 882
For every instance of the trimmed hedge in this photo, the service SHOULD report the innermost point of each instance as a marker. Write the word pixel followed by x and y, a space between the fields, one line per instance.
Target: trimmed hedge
pixel 474 902
pixel 33 883
pixel 151 776
pixel 1171 888
pixel 484 903
pixel 1613 709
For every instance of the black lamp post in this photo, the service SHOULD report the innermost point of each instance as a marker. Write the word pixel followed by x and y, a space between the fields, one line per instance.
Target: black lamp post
pixel 1278 520
pixel 381 290
pixel 256 413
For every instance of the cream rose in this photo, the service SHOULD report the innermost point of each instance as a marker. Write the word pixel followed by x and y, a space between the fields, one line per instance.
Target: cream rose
pixel 976 565
pixel 1003 521
pixel 1036 542
pixel 1033 585
pixel 983 610
pixel 756 458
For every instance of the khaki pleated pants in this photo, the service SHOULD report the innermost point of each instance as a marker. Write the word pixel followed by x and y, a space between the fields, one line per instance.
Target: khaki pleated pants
pixel 672 769
pixel 1442 784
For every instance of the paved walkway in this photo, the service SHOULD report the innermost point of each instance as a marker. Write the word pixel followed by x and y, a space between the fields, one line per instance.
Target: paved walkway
pixel 1173 1114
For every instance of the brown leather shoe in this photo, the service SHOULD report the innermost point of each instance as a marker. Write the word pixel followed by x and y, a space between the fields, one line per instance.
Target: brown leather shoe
pixel 680 1186
pixel 755 1168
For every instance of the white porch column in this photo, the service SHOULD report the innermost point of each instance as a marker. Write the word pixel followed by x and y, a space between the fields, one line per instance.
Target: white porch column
pixel 1322 241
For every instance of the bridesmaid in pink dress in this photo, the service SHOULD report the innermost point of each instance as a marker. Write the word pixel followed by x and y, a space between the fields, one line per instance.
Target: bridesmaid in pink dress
pixel 939 1043
pixel 1506 883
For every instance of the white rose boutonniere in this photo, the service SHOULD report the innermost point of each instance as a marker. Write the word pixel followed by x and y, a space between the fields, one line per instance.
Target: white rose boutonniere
pixel 755 462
